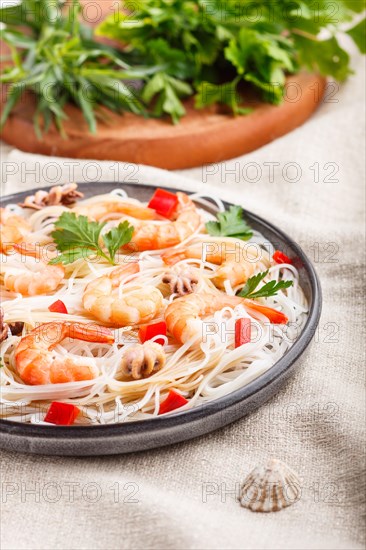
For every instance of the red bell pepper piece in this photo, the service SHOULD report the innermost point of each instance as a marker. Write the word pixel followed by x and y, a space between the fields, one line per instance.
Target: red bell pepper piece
pixel 242 331
pixel 62 414
pixel 281 258
pixel 58 307
pixel 147 332
pixel 174 401
pixel 164 203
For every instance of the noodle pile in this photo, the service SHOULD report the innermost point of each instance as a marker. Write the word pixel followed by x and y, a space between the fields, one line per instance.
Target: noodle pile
pixel 201 374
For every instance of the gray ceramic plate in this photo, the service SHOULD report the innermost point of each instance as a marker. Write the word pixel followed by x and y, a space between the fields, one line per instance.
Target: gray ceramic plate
pixel 137 436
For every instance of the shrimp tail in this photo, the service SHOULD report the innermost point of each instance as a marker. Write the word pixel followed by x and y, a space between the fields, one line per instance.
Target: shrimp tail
pixel 28 249
pixel 91 333
pixel 171 258
pixel 54 332
pixel 100 210
pixel 124 270
pixel 276 317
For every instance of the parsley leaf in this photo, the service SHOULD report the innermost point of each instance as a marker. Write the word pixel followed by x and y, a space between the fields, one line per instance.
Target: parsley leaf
pixel 226 94
pixel 269 289
pixel 325 56
pixel 117 237
pixel 73 230
pixel 358 33
pixel 167 91
pixel 71 255
pixel 252 49
pixel 230 224
pixel 76 237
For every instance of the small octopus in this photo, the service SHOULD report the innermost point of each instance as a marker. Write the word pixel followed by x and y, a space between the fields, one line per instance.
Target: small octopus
pixel 181 282
pixel 142 360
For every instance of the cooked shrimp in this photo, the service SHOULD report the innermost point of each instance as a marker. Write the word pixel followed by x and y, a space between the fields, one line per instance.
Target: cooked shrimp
pixel 13 229
pixel 36 364
pixel 31 283
pixel 234 272
pixel 135 307
pixel 154 236
pixel 40 279
pixel 142 360
pixel 215 251
pixel 109 209
pixel 236 265
pixel 184 315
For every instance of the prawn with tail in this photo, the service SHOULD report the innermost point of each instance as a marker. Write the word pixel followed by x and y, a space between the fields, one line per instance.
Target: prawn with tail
pixel 235 265
pixel 137 306
pixel 37 364
pixel 157 236
pixel 184 316
pixel 41 279
pixel 110 209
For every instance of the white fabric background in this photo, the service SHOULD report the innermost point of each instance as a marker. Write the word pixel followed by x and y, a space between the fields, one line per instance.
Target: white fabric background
pixel 315 424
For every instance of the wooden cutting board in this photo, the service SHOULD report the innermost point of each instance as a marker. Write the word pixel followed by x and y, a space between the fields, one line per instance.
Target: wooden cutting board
pixel 202 137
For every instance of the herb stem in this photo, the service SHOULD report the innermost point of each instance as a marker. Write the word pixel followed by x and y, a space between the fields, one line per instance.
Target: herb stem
pixel 109 260
pixel 305 35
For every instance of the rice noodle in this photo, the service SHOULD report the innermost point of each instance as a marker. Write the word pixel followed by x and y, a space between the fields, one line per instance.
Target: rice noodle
pixel 201 374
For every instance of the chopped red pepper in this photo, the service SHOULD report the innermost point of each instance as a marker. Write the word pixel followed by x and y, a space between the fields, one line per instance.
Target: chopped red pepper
pixel 62 414
pixel 242 331
pixel 281 258
pixel 58 307
pixel 174 401
pixel 147 332
pixel 164 203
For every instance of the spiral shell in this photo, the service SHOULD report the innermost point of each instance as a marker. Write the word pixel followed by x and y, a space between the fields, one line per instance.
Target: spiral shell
pixel 270 488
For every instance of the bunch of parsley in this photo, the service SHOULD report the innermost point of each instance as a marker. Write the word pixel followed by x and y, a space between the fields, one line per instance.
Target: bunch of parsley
pixel 173 49
pixel 54 56
pixel 208 48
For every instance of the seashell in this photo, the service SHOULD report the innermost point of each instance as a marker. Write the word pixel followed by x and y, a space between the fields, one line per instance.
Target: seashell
pixel 270 488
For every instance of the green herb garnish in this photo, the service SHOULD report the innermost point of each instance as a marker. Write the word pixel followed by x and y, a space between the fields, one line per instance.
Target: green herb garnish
pixel 59 62
pixel 76 237
pixel 230 224
pixel 269 289
pixel 214 46
pixel 172 49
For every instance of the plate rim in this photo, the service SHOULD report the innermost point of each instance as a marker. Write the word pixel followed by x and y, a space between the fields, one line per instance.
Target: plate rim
pixel 164 423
